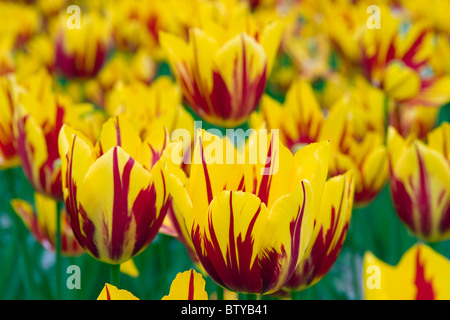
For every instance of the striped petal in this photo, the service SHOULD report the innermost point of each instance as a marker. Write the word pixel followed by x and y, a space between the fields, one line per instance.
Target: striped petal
pixel 420 184
pixel 111 292
pixel 188 285
pixel 330 230
pixel 122 215
pixel 421 274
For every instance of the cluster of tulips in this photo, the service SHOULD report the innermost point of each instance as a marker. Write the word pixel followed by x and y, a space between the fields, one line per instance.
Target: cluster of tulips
pixel 91 99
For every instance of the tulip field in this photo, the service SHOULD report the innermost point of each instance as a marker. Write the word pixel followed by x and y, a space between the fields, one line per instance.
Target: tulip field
pixel 225 150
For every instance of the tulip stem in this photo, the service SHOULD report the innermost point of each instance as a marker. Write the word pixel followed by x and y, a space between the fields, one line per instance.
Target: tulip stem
pixel 115 275
pixel 296 295
pixel 219 292
pixel 58 250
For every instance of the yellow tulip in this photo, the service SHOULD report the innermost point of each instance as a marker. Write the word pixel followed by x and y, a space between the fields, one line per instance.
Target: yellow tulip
pixel 420 182
pixel 115 192
pixel 223 80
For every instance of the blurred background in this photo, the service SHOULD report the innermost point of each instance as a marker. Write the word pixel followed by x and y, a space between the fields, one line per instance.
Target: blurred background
pixel 324 43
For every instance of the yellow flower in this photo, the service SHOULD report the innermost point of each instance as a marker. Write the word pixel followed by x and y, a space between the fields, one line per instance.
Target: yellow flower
pixel 81 52
pixel 115 191
pixel 421 274
pixel 223 76
pixel 420 182
pixel 330 229
pixel 8 100
pixel 250 222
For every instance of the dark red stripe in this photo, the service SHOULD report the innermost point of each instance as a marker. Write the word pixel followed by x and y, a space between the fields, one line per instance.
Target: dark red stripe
pixel 191 286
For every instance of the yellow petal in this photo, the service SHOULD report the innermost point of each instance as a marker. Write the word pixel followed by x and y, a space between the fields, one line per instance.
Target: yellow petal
pixel 111 292
pixel 188 285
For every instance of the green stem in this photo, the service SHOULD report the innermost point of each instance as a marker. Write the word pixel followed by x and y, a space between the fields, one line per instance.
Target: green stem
pixel 219 291
pixel 58 250
pixel 247 296
pixel 296 295
pixel 115 275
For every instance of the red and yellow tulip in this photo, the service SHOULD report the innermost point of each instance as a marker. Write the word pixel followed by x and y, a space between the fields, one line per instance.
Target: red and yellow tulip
pixel 38 118
pixel 330 230
pixel 81 52
pixel 354 124
pixel 42 224
pixel 421 274
pixel 8 101
pixel 223 74
pixel 250 229
pixel 115 192
pixel 420 182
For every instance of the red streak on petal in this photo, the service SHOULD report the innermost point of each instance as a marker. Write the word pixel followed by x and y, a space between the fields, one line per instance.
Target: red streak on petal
pixel 425 290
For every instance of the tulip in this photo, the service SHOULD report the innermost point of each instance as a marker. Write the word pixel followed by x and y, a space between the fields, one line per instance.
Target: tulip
pixel 38 118
pixel 223 81
pixel 421 274
pixel 8 100
pixel 401 61
pixel 42 224
pixel 420 182
pixel 354 124
pixel 115 192
pixel 250 229
pixel 330 229
pixel 159 104
pixel 81 52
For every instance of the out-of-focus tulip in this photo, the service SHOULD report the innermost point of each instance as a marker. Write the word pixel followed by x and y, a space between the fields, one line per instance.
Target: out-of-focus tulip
pixel 159 104
pixel 354 125
pixel 115 192
pixel 7 64
pixel 19 21
pixel 42 224
pixel 38 118
pixel 299 118
pixel 111 292
pixel 434 12
pixel 250 229
pixel 223 76
pixel 188 285
pixel 121 68
pixel 398 58
pixel 420 182
pixel 330 230
pixel 81 52
pixel 421 274
pixel 8 101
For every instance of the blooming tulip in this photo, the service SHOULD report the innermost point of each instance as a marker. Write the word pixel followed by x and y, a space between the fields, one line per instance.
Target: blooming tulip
pixel 250 229
pixel 330 230
pixel 223 81
pixel 420 182
pixel 115 192
pixel 81 52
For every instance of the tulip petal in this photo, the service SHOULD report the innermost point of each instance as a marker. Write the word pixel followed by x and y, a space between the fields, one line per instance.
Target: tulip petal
pixel 188 285
pixel 111 292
